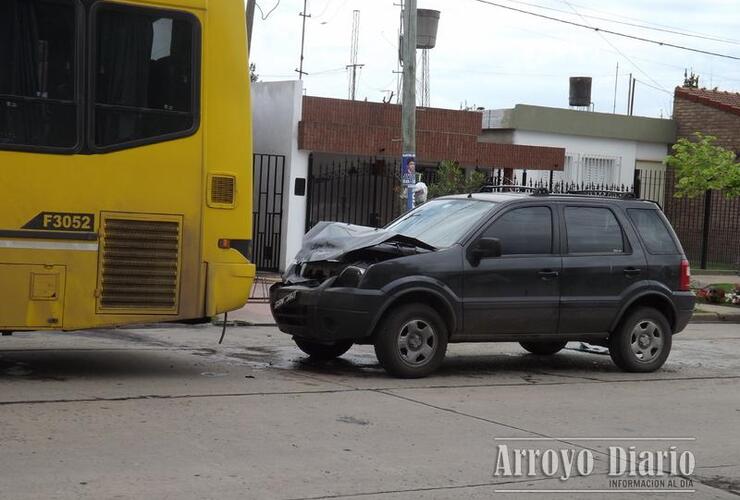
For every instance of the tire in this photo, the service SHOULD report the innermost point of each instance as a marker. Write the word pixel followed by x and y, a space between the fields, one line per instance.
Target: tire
pixel 544 348
pixel 323 352
pixel 411 341
pixel 642 341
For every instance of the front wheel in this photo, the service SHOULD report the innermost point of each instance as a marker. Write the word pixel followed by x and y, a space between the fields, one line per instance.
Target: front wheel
pixel 323 352
pixel 543 348
pixel 642 342
pixel 411 341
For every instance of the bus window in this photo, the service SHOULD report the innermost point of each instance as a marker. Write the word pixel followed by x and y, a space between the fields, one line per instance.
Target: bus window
pixel 146 76
pixel 38 61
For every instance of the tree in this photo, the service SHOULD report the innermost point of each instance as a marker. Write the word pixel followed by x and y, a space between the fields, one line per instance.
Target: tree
pixel 253 76
pixel 702 165
pixel 451 179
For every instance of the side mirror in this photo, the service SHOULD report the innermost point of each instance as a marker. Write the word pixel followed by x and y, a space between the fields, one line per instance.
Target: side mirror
pixel 485 248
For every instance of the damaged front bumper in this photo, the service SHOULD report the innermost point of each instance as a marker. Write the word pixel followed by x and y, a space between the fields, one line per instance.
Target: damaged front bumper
pixel 324 313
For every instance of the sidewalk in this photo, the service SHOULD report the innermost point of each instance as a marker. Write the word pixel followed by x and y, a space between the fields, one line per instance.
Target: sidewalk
pixel 253 314
pixel 711 313
pixel 257 311
pixel 702 280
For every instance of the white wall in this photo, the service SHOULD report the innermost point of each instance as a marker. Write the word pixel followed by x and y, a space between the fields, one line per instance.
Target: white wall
pixel 625 153
pixel 277 109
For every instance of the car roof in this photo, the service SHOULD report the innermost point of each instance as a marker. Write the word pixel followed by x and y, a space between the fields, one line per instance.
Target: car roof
pixel 565 197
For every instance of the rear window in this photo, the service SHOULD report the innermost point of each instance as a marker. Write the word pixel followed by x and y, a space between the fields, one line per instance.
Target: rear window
pixel 652 229
pixel 593 230
pixel 145 77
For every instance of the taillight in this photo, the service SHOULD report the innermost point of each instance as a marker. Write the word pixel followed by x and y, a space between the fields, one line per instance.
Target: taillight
pixel 684 283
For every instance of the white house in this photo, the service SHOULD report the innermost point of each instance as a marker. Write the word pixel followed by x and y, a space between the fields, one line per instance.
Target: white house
pixel 600 148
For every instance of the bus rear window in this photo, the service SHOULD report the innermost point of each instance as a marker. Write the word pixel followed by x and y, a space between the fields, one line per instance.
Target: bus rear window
pixel 145 75
pixel 38 101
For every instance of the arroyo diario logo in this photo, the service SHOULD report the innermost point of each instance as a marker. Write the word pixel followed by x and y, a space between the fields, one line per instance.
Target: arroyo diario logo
pixel 595 464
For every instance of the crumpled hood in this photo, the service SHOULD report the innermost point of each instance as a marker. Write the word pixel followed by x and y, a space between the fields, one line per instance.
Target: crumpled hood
pixel 332 240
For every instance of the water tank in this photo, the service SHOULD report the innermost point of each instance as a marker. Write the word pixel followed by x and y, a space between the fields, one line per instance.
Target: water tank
pixel 426 29
pixel 580 91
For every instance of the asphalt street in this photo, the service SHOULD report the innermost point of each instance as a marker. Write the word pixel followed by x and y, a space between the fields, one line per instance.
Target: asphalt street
pixel 168 413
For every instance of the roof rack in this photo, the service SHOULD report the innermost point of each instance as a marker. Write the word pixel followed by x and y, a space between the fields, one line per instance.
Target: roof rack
pixel 625 195
pixel 537 191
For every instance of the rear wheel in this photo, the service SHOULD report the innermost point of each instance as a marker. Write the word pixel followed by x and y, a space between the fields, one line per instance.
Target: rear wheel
pixel 543 348
pixel 323 352
pixel 642 342
pixel 411 341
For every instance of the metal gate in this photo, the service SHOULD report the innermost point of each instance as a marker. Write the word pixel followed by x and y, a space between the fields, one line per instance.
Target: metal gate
pixel 363 191
pixel 268 177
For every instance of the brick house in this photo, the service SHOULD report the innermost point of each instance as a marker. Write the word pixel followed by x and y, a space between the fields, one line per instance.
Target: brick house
pixel 715 113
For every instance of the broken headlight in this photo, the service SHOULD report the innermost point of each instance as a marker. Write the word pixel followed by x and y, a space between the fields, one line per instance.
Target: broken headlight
pixel 350 277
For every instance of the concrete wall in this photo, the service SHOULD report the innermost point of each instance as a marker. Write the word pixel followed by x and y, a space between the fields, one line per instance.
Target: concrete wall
pixel 276 111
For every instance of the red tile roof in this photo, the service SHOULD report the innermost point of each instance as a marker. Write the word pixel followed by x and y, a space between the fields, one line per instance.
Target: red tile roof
pixel 726 101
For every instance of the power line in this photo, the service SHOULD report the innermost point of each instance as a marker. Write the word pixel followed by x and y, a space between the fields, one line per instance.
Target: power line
pixel 661 29
pixel 610 32
pixel 654 87
pixel 617 49
pixel 265 16
pixel 651 23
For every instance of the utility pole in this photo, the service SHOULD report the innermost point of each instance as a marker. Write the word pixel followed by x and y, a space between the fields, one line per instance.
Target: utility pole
pixel 353 54
pixel 616 84
pixel 304 15
pixel 408 110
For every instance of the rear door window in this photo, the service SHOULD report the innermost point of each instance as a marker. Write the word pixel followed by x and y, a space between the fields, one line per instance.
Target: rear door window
pixel 593 230
pixel 523 231
pixel 653 231
pixel 39 108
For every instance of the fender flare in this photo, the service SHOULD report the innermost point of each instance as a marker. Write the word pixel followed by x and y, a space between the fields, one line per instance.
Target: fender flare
pixel 653 292
pixel 411 285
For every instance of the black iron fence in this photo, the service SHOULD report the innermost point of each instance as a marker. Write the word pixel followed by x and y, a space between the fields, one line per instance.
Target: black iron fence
pixel 708 226
pixel 360 191
pixel 558 186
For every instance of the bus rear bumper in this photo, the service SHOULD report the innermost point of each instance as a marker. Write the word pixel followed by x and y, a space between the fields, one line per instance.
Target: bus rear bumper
pixel 228 287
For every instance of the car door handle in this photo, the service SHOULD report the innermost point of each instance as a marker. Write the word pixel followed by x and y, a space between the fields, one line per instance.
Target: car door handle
pixel 632 271
pixel 547 274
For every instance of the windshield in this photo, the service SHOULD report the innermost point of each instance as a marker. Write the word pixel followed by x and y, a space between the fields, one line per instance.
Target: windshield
pixel 441 223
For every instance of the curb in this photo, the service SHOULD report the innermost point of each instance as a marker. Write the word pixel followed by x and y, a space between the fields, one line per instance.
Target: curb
pixel 241 323
pixel 712 317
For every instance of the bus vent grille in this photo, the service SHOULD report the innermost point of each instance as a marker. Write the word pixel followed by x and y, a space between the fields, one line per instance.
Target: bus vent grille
pixel 222 190
pixel 140 264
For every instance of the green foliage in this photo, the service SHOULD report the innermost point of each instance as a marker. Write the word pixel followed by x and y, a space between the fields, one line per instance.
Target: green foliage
pixel 451 179
pixel 701 165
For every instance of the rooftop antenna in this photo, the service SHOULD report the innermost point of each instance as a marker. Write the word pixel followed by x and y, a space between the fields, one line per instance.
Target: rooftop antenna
pixel 354 48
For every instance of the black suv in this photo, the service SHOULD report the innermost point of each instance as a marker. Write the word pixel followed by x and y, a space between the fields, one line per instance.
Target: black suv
pixel 535 268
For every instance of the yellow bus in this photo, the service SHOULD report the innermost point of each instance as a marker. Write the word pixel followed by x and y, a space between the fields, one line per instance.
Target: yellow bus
pixel 125 162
